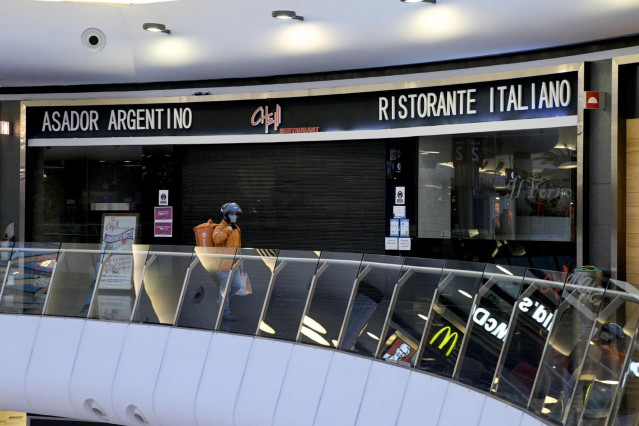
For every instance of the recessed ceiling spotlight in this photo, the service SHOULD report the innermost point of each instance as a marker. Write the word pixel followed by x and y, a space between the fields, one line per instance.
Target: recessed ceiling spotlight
pixel 155 28
pixel 286 14
pixel 418 1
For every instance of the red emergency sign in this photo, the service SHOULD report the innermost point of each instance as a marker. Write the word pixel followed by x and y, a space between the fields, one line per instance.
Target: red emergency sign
pixel 592 100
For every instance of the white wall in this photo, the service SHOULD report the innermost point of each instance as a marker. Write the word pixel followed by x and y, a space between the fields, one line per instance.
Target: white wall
pixel 167 376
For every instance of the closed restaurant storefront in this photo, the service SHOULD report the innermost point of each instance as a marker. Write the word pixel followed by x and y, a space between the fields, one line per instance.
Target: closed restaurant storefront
pixel 476 168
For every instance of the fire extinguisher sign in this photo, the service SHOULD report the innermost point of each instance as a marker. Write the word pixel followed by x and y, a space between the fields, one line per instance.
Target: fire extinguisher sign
pixel 400 195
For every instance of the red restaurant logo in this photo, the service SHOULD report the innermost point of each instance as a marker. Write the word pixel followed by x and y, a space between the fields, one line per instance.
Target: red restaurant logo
pixel 263 116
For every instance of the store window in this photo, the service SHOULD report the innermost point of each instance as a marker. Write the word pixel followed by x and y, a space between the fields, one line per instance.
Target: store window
pixel 511 185
pixel 72 188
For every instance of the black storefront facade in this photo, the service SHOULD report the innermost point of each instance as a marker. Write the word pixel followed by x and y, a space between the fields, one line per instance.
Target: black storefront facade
pixel 485 168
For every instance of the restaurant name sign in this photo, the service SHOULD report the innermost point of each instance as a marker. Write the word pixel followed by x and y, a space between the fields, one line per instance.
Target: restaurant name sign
pixel 542 96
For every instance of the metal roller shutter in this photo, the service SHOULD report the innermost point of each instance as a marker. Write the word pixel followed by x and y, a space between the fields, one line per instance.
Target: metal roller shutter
pixel 307 196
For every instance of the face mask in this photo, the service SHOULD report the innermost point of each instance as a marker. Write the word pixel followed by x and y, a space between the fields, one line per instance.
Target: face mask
pixel 232 218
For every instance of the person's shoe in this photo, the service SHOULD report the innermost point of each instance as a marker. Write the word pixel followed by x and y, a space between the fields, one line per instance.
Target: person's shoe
pixel 229 317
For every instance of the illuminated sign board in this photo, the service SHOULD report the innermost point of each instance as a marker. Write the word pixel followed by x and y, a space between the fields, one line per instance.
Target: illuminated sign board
pixel 5 128
pixel 499 329
pixel 542 96
pixel 449 338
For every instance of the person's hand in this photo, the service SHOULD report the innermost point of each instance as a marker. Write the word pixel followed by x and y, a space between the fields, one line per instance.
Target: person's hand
pixel 230 228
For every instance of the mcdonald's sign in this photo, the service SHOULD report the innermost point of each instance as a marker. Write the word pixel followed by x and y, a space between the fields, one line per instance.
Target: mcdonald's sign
pixel 450 335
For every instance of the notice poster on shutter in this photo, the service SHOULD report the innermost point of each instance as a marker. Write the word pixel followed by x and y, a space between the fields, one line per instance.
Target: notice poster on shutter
pixel 390 243
pixel 114 308
pixel 118 234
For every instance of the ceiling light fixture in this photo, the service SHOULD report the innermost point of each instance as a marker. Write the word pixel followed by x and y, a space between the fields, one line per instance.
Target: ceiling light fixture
pixel 286 14
pixel 313 325
pixel 372 336
pixel 266 328
pixel 418 1
pixel 155 28
pixel 466 294
pixel 506 271
pixel 314 336
pixel 568 165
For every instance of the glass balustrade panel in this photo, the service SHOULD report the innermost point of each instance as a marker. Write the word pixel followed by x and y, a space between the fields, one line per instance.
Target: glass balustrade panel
pixel 162 284
pixel 562 361
pixel 562 344
pixel 626 409
pixel 28 278
pixel 6 247
pixel 119 282
pixel 531 321
pixel 334 280
pixel 460 281
pixel 418 282
pixel 487 331
pixel 599 379
pixel 243 312
pixel 74 280
pixel 203 296
pixel 377 279
pixel 284 312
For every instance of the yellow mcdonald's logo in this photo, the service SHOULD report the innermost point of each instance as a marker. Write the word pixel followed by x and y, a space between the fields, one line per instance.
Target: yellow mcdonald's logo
pixel 449 335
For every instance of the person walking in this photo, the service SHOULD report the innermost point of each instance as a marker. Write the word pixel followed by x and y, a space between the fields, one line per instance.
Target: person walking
pixel 227 234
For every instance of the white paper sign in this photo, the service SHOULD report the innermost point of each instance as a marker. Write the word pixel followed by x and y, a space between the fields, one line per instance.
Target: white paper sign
pixel 404 243
pixel 114 308
pixel 400 195
pixel 399 212
pixel 391 243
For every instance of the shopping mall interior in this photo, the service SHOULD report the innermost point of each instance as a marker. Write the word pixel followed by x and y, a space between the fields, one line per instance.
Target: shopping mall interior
pixel 438 208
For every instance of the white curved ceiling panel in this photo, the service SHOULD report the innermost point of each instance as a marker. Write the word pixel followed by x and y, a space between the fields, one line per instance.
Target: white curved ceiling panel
pixel 41 43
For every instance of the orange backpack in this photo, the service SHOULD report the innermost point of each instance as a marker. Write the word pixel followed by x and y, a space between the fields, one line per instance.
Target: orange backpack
pixel 204 234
